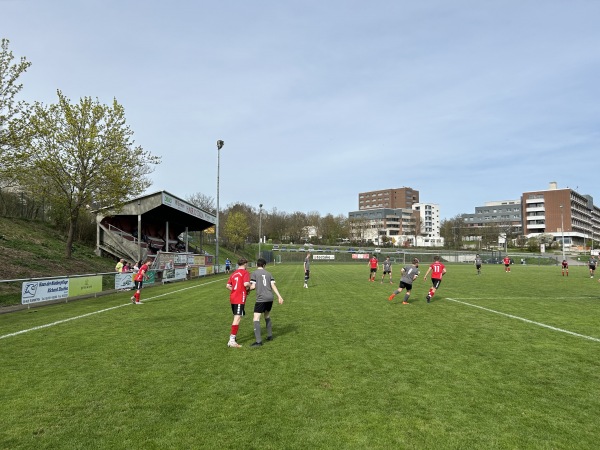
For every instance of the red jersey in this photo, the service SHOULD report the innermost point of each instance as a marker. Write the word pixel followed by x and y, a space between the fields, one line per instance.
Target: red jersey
pixel 140 275
pixel 238 293
pixel 565 264
pixel 437 270
pixel 506 261
pixel 373 262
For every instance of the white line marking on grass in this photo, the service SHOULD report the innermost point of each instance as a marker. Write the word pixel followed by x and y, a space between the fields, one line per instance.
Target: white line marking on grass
pixel 58 322
pixel 550 327
pixel 39 327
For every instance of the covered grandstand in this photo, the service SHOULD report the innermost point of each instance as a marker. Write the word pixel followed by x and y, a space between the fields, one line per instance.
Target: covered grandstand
pixel 147 225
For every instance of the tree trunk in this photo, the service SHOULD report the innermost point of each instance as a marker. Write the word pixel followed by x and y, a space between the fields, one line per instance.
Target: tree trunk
pixel 71 236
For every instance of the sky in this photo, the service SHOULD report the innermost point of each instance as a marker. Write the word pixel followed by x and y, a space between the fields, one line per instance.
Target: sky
pixel 316 101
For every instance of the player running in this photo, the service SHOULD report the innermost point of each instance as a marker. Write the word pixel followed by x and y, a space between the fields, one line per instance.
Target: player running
pixel 437 270
pixel 409 274
pixel 592 266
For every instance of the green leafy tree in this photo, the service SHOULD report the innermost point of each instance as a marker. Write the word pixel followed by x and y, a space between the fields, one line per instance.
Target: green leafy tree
pixel 295 226
pixel 236 229
pixel 533 244
pixel 452 230
pixel 9 107
pixel 333 228
pixel 81 155
pixel 274 225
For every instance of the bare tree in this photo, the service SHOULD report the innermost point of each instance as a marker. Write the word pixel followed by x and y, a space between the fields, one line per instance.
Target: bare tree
pixel 203 201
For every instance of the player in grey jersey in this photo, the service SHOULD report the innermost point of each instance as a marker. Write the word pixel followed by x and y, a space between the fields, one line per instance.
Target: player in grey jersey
pixel 387 268
pixel 306 270
pixel 409 274
pixel 478 263
pixel 264 284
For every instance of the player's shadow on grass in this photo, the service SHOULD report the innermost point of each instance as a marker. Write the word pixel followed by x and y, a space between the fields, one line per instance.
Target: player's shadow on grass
pixel 283 330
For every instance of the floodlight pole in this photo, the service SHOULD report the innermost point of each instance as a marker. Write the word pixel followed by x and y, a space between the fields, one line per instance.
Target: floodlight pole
pixel 562 230
pixel 219 147
pixel 259 227
pixel 139 230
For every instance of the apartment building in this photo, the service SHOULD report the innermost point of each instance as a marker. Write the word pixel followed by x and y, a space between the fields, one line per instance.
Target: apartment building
pixel 503 213
pixel 398 215
pixel 404 197
pixel 561 212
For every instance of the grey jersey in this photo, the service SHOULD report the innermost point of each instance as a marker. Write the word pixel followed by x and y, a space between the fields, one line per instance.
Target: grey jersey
pixel 387 266
pixel 307 263
pixel 592 262
pixel 409 274
pixel 262 279
pixel 478 261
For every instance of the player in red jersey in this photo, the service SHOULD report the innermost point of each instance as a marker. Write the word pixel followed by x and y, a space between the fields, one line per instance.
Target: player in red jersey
pixel 565 267
pixel 238 285
pixel 373 264
pixel 138 279
pixel 506 262
pixel 437 270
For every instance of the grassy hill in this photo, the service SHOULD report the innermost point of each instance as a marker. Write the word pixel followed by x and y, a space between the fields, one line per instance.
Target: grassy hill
pixel 36 249
pixel 31 249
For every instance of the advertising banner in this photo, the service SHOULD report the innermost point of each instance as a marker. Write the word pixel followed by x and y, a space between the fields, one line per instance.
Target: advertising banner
pixel 323 256
pixel 174 274
pixel 43 291
pixel 85 285
pixel 124 280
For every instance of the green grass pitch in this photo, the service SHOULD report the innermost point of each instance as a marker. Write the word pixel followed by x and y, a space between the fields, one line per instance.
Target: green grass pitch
pixel 507 361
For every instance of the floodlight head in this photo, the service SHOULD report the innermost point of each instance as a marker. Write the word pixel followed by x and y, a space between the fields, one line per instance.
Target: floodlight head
pixel 220 144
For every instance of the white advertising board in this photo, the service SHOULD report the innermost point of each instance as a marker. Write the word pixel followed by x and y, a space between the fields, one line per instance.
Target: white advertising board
pixel 43 291
pixel 124 280
pixel 323 256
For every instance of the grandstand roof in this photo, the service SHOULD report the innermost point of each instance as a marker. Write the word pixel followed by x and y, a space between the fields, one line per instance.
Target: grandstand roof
pixel 161 207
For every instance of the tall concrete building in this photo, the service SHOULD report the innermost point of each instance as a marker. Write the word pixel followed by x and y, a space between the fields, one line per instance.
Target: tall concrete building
pixel 502 213
pixel 404 197
pixel 561 212
pixel 429 223
pixel 395 214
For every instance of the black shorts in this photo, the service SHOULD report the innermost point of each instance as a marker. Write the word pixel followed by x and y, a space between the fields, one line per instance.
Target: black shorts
pixel 261 307
pixel 478 266
pixel 306 274
pixel 592 268
pixel 435 282
pixel 138 284
pixel 373 269
pixel 385 272
pixel 238 309
pixel 406 286
pixel 506 265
